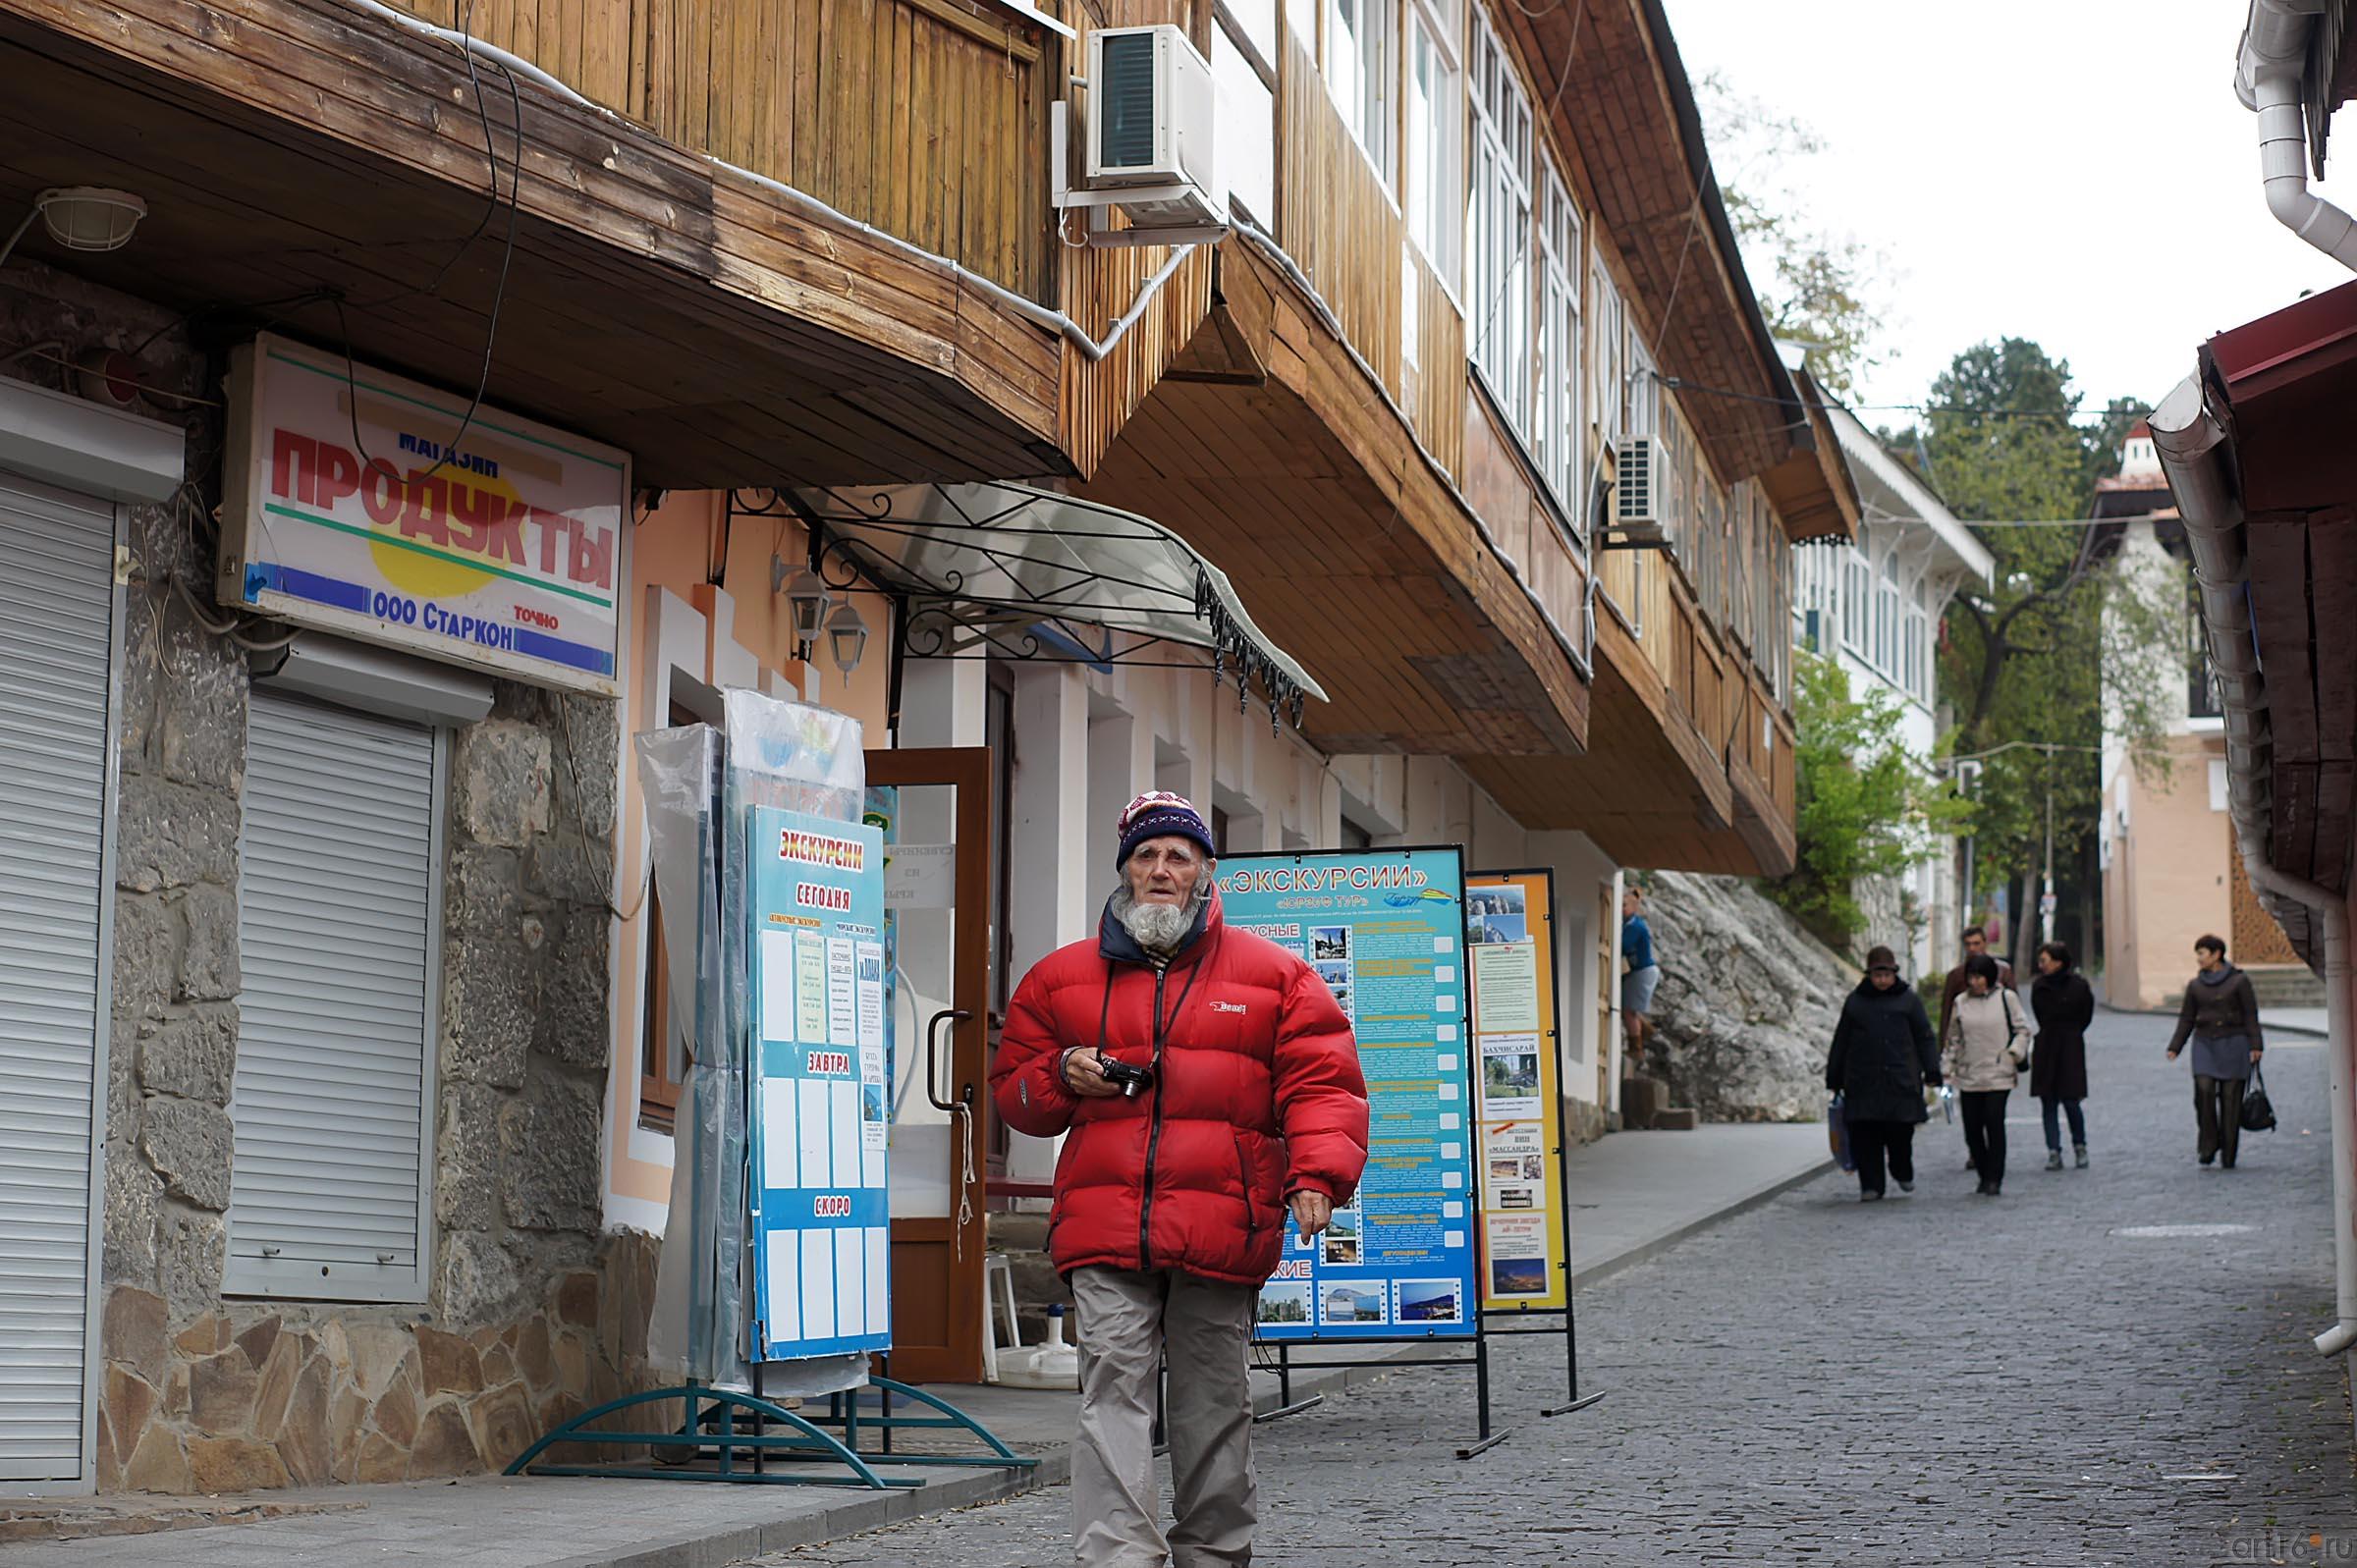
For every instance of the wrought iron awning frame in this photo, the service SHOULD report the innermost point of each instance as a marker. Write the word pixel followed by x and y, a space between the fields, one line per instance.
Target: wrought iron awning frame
pixel 947 617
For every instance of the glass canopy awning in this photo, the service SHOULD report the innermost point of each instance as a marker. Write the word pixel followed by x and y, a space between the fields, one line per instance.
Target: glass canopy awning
pixel 1009 571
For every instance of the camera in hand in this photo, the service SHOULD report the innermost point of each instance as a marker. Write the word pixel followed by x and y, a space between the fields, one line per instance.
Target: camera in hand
pixel 1134 1081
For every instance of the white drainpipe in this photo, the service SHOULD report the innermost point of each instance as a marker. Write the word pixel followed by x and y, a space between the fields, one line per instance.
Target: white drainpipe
pixel 2192 446
pixel 2268 77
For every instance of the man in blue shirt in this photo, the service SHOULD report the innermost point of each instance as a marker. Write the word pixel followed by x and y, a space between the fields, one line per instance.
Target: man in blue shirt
pixel 1636 986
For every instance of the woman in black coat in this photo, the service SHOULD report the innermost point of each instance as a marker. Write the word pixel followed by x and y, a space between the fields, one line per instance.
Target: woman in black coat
pixel 1882 1056
pixel 2065 1006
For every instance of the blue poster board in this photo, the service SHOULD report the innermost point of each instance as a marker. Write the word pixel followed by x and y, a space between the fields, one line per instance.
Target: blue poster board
pixel 821 1225
pixel 1385 929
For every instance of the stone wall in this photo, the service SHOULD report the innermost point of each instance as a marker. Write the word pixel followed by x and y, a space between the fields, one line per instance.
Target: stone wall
pixel 1745 1013
pixel 530 1310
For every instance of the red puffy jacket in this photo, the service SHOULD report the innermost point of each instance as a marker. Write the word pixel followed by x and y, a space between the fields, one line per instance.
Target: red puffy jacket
pixel 1257 1095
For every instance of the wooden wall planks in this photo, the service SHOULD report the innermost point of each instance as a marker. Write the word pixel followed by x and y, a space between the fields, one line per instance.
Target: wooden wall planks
pixel 926 118
pixel 1336 219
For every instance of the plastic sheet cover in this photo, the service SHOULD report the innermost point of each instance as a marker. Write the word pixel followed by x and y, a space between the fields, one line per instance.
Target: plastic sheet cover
pixel 700 787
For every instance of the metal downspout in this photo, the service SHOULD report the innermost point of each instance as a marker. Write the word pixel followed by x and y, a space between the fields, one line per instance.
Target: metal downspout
pixel 2193 448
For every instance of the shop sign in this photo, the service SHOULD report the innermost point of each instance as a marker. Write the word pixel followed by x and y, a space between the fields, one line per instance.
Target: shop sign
pixel 347 506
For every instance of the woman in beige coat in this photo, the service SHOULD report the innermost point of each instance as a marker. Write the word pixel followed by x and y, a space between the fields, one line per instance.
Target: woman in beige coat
pixel 1987 1046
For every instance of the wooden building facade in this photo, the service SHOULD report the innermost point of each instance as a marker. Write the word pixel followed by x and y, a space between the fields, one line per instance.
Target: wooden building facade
pixel 731 250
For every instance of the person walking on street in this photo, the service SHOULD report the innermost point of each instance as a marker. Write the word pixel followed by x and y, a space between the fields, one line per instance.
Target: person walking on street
pixel 1883 1056
pixel 1976 944
pixel 1207 1084
pixel 2221 1014
pixel 1988 1041
pixel 1643 974
pixel 2065 1006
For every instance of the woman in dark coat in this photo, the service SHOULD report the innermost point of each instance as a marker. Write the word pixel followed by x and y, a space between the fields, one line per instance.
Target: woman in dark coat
pixel 2220 1016
pixel 2065 1006
pixel 1882 1056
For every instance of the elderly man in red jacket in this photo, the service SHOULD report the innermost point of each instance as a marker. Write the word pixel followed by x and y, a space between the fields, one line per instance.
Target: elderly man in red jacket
pixel 1173 1189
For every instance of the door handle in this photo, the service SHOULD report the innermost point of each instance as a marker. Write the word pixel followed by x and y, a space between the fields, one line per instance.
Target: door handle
pixel 948 1016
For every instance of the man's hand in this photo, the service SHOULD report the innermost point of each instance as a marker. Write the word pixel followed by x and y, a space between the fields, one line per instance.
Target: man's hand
pixel 2173 1055
pixel 2254 1055
pixel 1084 1075
pixel 1312 1211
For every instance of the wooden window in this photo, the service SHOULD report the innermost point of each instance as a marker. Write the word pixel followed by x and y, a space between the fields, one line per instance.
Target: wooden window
pixel 1498 229
pixel 1557 443
pixel 1434 203
pixel 1360 75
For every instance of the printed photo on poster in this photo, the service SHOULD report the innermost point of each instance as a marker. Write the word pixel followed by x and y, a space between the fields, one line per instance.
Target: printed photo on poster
pixel 1352 1301
pixel 1517 1196
pixel 1497 915
pixel 1518 1253
pixel 1431 1300
pixel 1342 1239
pixel 1283 1301
pixel 1329 943
pixel 1509 1076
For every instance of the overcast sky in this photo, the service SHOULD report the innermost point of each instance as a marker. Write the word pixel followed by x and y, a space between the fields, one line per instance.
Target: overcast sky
pixel 2063 170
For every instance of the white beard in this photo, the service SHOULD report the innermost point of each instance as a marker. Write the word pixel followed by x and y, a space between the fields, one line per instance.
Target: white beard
pixel 1158 926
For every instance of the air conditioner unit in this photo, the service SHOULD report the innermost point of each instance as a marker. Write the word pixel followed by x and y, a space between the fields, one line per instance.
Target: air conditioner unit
pixel 1151 112
pixel 1637 508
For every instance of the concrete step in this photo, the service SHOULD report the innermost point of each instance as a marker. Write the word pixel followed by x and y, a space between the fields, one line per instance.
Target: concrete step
pixel 2286 986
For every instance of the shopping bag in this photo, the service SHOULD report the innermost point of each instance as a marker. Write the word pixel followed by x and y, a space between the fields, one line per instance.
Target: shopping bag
pixel 1836 1132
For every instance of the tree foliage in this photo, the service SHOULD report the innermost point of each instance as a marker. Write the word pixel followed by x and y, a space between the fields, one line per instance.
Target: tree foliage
pixel 1864 808
pixel 2024 661
pixel 1814 288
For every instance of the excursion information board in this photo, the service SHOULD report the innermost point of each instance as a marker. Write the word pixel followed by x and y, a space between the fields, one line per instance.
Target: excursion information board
pixel 1385 929
pixel 1510 952
pixel 820 1223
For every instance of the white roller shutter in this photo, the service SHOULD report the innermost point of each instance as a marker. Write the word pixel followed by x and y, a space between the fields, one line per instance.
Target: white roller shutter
pixel 337 922
pixel 56 633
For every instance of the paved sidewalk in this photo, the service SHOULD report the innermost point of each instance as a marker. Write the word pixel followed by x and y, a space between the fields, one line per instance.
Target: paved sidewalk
pixel 1633 1194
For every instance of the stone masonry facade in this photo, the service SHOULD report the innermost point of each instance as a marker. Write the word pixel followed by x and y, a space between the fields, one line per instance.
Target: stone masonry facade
pixel 533 1311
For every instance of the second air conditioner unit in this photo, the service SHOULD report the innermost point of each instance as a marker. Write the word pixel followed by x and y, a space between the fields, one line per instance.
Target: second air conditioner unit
pixel 1636 512
pixel 1149 133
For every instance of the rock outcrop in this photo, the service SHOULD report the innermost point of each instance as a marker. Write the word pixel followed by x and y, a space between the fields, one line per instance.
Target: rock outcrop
pixel 1747 1001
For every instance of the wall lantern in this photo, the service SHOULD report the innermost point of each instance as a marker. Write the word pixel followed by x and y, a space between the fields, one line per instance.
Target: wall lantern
pixel 807 601
pixel 846 631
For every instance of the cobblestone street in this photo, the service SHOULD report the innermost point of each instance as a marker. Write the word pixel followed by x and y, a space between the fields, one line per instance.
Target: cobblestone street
pixel 1938 1379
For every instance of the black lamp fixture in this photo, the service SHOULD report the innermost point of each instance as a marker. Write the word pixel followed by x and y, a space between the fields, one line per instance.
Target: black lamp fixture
pixel 807 601
pixel 846 634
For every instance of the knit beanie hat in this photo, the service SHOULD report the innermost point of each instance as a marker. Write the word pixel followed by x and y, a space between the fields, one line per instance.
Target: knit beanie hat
pixel 1160 814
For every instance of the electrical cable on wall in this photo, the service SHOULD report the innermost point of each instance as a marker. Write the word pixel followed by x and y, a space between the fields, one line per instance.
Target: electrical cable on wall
pixel 499 295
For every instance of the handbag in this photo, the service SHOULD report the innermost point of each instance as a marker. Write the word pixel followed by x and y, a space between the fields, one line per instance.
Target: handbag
pixel 2018 1025
pixel 1836 1132
pixel 2258 1114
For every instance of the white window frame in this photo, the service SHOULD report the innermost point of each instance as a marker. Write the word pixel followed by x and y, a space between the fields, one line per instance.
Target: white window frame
pixel 1857 601
pixel 1919 643
pixel 1362 73
pixel 1497 228
pixel 1608 326
pixel 1886 617
pixel 1433 172
pixel 1557 366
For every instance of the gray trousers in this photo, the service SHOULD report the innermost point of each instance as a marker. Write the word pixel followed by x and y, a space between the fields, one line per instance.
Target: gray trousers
pixel 1126 1320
